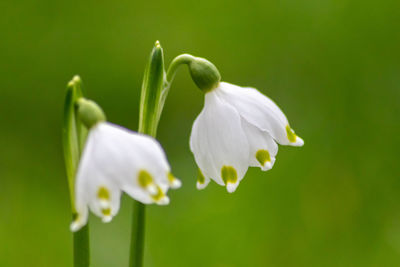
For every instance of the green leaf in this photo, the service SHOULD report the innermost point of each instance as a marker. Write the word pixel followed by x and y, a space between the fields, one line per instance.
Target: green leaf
pixel 74 136
pixel 151 103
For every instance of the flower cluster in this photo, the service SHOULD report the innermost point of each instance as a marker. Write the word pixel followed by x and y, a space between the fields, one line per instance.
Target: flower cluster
pixel 238 128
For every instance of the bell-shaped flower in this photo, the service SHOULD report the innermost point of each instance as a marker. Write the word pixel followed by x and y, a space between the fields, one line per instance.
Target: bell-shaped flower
pixel 237 128
pixel 117 160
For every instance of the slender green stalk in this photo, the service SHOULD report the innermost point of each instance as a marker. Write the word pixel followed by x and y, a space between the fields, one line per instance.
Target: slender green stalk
pixel 74 135
pixel 151 104
pixel 170 75
pixel 176 62
pixel 81 247
pixel 137 235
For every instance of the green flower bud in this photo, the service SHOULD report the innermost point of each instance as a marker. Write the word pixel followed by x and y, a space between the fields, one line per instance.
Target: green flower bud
pixel 89 112
pixel 204 74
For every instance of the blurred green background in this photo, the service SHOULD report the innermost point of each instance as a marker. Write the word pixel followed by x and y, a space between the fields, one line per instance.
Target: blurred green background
pixel 333 67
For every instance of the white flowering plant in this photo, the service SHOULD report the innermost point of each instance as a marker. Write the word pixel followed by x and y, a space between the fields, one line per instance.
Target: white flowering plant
pixel 238 128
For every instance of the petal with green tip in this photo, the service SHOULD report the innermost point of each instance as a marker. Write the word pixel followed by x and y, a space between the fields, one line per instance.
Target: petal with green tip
pixel 218 140
pixel 258 110
pixel 263 148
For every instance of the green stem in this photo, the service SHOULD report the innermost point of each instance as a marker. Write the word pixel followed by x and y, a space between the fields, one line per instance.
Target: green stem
pixel 155 87
pixel 81 247
pixel 169 77
pixel 74 135
pixel 138 231
pixel 176 62
pixel 151 104
pixel 81 237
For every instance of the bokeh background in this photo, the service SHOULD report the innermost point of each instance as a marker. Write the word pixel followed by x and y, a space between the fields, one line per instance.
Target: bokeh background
pixel 333 67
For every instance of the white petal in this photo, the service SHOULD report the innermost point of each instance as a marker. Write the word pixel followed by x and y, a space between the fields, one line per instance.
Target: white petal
pixel 201 186
pixel 106 219
pixel 260 111
pixel 217 140
pixel 176 183
pixel 99 168
pixel 151 159
pixel 105 208
pixel 134 153
pixel 263 148
pixel 152 189
pixel 138 194
pixel 111 159
pixel 163 201
pixel 231 187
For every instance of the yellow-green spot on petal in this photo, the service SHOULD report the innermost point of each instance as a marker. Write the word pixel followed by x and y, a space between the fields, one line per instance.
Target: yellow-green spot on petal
pixel 106 212
pixel 171 177
pixel 263 156
pixel 228 174
pixel 159 195
pixel 103 193
pixel 290 134
pixel 144 178
pixel 200 178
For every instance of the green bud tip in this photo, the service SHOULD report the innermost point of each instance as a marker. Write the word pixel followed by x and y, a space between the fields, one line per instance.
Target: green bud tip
pixel 89 112
pixel 204 74
pixel 75 80
pixel 157 44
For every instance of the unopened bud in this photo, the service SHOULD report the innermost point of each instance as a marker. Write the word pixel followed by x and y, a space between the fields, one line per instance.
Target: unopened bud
pixel 204 74
pixel 89 112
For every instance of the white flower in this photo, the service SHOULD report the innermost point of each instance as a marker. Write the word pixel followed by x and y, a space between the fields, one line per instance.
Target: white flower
pixel 236 129
pixel 115 160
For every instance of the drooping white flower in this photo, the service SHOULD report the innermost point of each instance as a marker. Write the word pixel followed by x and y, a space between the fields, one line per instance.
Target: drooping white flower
pixel 237 128
pixel 115 160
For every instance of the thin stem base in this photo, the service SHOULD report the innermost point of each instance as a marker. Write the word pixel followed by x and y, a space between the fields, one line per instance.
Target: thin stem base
pixel 81 247
pixel 137 238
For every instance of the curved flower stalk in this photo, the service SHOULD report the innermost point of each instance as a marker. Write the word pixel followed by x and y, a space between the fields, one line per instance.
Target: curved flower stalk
pixel 238 127
pixel 117 160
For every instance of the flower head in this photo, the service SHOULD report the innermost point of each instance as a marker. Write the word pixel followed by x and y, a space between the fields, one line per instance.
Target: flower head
pixel 115 160
pixel 237 128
